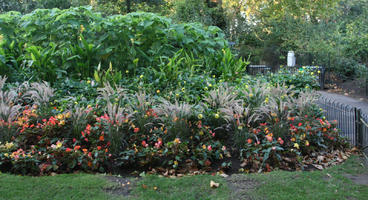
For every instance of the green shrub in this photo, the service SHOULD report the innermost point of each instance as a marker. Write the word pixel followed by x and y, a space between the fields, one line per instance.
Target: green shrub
pixel 74 41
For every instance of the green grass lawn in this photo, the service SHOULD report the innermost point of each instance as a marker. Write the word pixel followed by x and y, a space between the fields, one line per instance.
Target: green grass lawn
pixel 327 184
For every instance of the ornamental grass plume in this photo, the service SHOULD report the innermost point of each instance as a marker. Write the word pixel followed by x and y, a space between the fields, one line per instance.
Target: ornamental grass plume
pixel 223 97
pixel 8 111
pixel 176 116
pixel 39 93
pixel 305 102
pixel 108 92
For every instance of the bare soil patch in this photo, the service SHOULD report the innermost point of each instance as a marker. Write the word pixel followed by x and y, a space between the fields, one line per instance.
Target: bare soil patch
pixel 123 185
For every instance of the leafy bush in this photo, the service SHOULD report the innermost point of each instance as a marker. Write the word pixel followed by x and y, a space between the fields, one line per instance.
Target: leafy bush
pixel 73 42
pixel 302 79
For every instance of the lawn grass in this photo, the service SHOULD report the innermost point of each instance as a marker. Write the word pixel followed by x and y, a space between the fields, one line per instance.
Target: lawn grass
pixel 327 184
pixel 65 186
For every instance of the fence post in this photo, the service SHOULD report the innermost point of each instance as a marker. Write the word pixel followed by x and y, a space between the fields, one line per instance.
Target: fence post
pixel 358 128
pixel 366 85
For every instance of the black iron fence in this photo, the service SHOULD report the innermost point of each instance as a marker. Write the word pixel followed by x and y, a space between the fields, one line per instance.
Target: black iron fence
pixel 336 67
pixel 258 69
pixel 351 121
pixel 264 69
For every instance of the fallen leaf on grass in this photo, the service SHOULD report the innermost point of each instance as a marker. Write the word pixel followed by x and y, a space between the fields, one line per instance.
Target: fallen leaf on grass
pixel 224 175
pixel 144 186
pixel 213 184
pixel 318 166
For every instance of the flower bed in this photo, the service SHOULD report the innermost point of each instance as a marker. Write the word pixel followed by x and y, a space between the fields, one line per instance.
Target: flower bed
pixel 264 126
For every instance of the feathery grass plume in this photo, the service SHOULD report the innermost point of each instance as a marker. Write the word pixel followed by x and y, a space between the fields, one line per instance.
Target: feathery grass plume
pixel 176 116
pixel 80 117
pixel 39 93
pixel 8 111
pixel 223 97
pixel 2 81
pixel 115 98
pixel 279 105
pixel 140 102
pixel 108 93
pixel 305 102
pixel 254 95
pixel 277 110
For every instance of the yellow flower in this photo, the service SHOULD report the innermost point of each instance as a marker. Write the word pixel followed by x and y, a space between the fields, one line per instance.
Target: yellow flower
pixel 88 82
pixel 201 133
pixel 251 95
pixel 82 28
pixel 127 71
pixel 177 94
pixel 9 145
pixel 246 86
pixel 204 146
pixel 59 144
pixel 205 88
pixel 312 73
pixel 183 89
pixel 158 91
pixel 307 87
pixel 62 122
pixel 200 116
pixel 60 116
pixel 296 145
pixel 141 76
pixel 176 162
pixel 293 139
pixel 306 143
pixel 319 72
pixel 217 116
pixel 213 76
pixel 210 85
pixel 6 154
pixel 67 115
pixel 266 100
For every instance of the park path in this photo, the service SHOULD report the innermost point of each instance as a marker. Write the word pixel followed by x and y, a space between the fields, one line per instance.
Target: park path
pixel 346 100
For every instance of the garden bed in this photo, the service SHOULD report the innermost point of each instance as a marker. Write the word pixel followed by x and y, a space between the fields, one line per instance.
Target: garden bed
pixel 140 92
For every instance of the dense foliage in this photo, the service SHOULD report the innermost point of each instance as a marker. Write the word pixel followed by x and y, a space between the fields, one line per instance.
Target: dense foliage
pixel 88 92
pixel 45 130
pixel 50 44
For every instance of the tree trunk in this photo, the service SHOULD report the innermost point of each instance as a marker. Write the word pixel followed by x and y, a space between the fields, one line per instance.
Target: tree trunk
pixel 128 4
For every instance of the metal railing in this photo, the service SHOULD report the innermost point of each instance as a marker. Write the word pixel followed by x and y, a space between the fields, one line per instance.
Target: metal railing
pixel 350 121
pixel 258 69
pixel 264 69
